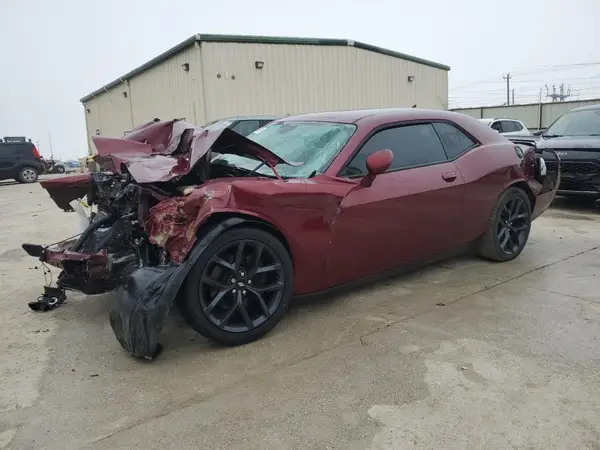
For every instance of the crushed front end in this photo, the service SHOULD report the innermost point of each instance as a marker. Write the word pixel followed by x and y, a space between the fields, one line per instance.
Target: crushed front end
pixel 115 253
pixel 141 234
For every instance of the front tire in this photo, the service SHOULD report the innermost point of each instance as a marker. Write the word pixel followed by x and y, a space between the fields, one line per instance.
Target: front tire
pixel 508 228
pixel 60 169
pixel 239 288
pixel 27 175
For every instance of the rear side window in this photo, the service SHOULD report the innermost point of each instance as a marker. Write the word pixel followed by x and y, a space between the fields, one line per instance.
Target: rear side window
pixel 508 126
pixel 10 149
pixel 518 126
pixel 412 145
pixel 454 141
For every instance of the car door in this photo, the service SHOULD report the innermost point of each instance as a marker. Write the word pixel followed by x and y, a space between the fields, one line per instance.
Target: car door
pixel 8 159
pixel 409 212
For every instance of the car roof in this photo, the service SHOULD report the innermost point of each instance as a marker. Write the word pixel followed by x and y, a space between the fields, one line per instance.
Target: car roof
pixel 486 120
pixel 376 115
pixel 585 108
pixel 249 118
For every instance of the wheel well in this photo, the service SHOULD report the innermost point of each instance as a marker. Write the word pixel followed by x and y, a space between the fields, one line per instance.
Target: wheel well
pixel 27 166
pixel 252 221
pixel 525 187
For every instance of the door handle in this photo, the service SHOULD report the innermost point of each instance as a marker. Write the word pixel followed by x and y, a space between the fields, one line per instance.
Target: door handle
pixel 449 176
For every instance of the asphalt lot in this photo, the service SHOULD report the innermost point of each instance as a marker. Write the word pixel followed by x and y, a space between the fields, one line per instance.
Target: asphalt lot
pixel 462 354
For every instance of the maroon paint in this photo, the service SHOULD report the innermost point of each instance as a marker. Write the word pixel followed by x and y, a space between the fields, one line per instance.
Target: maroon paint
pixel 337 229
pixel 65 189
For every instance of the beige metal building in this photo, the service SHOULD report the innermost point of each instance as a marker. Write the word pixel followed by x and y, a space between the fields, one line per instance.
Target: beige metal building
pixel 208 77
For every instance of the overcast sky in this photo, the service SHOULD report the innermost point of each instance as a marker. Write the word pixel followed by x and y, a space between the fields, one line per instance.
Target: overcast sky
pixel 52 53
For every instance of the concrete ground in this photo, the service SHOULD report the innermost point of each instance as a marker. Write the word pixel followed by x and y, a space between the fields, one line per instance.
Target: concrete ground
pixel 462 354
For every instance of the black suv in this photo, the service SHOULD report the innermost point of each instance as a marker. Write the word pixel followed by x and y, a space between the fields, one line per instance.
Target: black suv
pixel 20 160
pixel 575 137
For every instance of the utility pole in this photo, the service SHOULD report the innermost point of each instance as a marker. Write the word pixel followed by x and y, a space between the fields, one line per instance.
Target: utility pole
pixel 507 78
pixel 50 144
pixel 513 96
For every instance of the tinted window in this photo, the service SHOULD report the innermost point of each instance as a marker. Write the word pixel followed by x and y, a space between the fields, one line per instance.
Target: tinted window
pixel 518 126
pixel 455 141
pixel 508 126
pixel 412 145
pixel 496 126
pixel 10 150
pixel 245 127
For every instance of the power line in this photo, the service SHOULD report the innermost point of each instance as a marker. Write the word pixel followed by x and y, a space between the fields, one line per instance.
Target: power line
pixel 556 67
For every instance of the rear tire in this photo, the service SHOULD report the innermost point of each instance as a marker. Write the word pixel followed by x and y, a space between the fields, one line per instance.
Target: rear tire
pixel 508 228
pixel 231 295
pixel 28 175
pixel 60 169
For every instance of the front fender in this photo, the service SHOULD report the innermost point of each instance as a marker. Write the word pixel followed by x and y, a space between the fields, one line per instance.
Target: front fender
pixel 139 307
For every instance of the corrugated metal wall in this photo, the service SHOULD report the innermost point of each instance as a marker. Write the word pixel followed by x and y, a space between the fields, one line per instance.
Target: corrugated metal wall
pixel 223 81
pixel 531 115
pixel 167 91
pixel 300 78
pixel 164 91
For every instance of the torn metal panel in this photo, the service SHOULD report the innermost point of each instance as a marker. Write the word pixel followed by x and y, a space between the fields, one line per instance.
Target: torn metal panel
pixel 63 190
pixel 150 157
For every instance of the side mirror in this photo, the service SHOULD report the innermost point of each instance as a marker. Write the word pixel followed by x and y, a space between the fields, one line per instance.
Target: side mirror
pixel 537 133
pixel 377 163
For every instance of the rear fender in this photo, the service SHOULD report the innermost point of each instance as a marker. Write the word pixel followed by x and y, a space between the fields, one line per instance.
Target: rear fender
pixel 543 185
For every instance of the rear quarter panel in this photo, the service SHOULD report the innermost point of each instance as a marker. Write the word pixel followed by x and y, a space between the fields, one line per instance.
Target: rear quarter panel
pixel 487 170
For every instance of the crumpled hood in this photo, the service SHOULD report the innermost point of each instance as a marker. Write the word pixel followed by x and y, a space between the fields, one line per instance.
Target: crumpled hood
pixel 159 151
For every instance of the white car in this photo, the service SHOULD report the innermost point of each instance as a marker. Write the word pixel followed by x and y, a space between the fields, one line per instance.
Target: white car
pixel 507 126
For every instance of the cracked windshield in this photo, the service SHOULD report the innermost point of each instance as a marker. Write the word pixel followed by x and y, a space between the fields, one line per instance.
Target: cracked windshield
pixel 311 146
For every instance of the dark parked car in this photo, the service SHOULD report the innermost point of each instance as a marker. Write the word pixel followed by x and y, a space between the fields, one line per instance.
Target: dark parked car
pixel 575 137
pixel 309 203
pixel 242 125
pixel 20 161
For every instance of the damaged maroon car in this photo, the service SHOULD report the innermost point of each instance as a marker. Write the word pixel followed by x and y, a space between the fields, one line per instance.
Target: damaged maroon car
pixel 231 227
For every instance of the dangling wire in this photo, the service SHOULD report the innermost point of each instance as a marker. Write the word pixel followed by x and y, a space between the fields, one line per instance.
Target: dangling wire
pixel 47 272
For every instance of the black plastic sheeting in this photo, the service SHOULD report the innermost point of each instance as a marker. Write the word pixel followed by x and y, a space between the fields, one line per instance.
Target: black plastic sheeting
pixel 139 307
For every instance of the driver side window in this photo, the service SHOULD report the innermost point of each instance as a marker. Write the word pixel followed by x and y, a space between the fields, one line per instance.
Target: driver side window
pixel 412 145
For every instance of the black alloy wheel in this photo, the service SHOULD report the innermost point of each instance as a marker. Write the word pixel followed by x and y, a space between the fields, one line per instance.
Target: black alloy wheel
pixel 508 228
pixel 240 289
pixel 513 225
pixel 241 286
